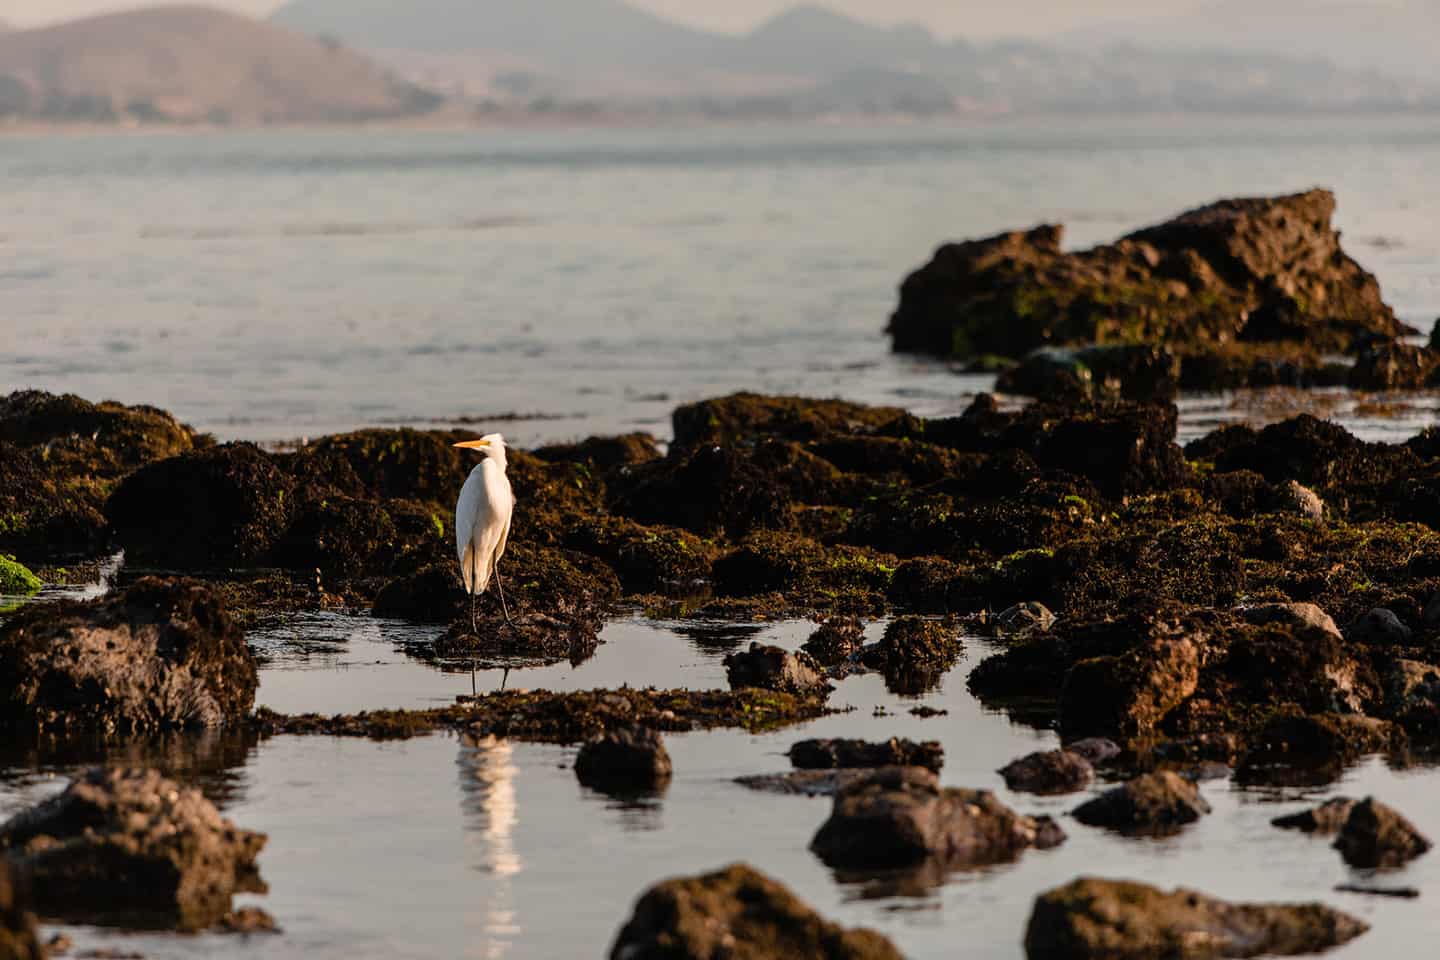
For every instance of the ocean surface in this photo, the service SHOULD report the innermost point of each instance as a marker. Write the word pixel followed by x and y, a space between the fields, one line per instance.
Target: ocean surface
pixel 277 285
pixel 280 284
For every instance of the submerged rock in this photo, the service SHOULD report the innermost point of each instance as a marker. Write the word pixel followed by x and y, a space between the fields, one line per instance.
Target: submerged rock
pixel 1375 835
pixel 130 847
pixel 901 816
pixel 1021 620
pixel 1152 802
pixel 1048 772
pixel 18 937
pixel 626 759
pixel 827 754
pixel 1122 371
pixel 772 668
pixel 835 641
pixel 1097 750
pixel 1095 919
pixel 1328 818
pixel 914 653
pixel 807 783
pixel 162 654
pixel 740 913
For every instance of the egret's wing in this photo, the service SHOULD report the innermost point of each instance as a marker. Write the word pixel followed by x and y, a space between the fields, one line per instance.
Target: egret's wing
pixel 472 516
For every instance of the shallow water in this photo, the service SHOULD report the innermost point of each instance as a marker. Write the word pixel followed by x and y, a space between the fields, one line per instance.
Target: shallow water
pixel 442 846
pixel 268 285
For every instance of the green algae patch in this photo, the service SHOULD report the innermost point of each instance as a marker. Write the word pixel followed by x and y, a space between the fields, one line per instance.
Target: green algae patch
pixel 16 579
pixel 546 717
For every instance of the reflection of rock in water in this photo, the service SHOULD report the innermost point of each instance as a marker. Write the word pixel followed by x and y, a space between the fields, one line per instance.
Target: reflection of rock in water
pixel 718 637
pixel 487 798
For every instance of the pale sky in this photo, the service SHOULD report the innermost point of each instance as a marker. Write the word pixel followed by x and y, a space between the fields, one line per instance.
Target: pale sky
pixel 971 18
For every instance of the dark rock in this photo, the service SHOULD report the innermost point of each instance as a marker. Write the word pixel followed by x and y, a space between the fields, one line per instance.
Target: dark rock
pixel 1395 366
pixel 130 847
pixel 80 438
pixel 1048 772
pixel 1325 739
pixel 161 654
pixel 1412 696
pixel 1431 614
pixel 624 759
pixel 1402 893
pixel 1131 693
pixel 1379 628
pixel 42 515
pixel 1299 500
pixel 1152 802
pixel 657 558
pixel 215 508
pixel 1328 818
pixel 835 641
pixel 899 816
pixel 1374 836
pixel 1094 919
pixel 339 535
pixel 431 595
pixel 1097 750
pixel 772 668
pixel 401 464
pixel 604 452
pixel 1141 372
pixel 827 754
pixel 771 561
pixel 747 416
pixel 1293 614
pixel 1196 279
pixel 741 913
pixel 18 937
pixel 708 490
pixel 1276 664
pixel 914 653
pixel 806 783
pixel 248 920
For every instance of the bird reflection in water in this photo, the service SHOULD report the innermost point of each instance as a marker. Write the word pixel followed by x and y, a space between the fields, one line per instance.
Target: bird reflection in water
pixel 487 798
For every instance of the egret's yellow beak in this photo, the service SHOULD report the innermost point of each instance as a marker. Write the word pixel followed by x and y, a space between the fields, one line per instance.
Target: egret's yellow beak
pixel 473 444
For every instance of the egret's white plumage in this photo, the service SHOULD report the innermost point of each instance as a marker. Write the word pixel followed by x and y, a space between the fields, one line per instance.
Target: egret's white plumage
pixel 482 518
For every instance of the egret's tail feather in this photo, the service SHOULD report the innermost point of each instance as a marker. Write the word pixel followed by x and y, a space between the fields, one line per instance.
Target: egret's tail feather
pixel 475 570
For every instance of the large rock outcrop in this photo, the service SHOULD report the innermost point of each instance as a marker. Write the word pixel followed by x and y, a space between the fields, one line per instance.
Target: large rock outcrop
pixel 163 654
pixel 133 848
pixel 1259 269
pixel 1094 919
pixel 737 913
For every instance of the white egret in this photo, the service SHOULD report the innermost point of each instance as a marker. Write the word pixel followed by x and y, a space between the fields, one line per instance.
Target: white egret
pixel 482 520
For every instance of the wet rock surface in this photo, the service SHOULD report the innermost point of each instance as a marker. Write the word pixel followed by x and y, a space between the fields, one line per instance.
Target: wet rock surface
pixel 1096 918
pixel 773 668
pixel 628 759
pixel 18 937
pixel 895 752
pixel 901 816
pixel 1328 818
pixel 130 847
pixel 1150 803
pixel 1375 835
pixel 1048 772
pixel 162 654
pixel 741 913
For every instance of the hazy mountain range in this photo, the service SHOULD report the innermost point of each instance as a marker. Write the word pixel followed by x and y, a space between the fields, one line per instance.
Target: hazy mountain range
pixel 341 60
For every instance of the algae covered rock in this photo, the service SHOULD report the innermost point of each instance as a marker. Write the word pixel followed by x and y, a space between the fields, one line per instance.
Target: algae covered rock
pixel 627 759
pixel 221 507
pixel 81 438
pixel 16 580
pixel 1048 772
pixel 1375 835
pixel 773 668
pixel 162 654
pixel 1151 802
pixel 740 914
pixel 130 847
pixel 18 938
pixel 1095 919
pixel 895 752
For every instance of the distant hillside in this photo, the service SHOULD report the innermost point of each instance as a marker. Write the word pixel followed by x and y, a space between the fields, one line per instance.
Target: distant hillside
pixel 190 63
pixel 606 54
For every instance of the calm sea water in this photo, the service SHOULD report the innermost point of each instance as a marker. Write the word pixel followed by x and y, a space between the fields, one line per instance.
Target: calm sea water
pixel 280 284
pixel 270 285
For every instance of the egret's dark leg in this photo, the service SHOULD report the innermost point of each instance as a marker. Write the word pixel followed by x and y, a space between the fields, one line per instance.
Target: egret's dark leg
pixel 504 677
pixel 501 585
pixel 474 634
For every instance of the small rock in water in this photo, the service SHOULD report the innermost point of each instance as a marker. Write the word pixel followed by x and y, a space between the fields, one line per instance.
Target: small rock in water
pixel 737 912
pixel 901 816
pixel 1023 619
pixel 1379 628
pixel 826 754
pixel 835 641
pixel 1096 919
pixel 84 849
pixel 628 758
pixel 772 668
pixel 1097 750
pixel 1048 772
pixel 1375 835
pixel 1402 893
pixel 1327 818
pixel 808 783
pixel 249 920
pixel 925 713
pixel 1161 801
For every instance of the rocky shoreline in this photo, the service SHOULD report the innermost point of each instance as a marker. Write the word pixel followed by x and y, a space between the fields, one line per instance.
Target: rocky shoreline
pixel 1259 604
